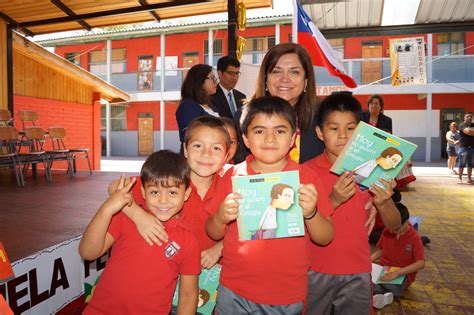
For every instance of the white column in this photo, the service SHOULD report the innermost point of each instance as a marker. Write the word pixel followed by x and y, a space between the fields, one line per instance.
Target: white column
pixel 277 33
pixel 429 97
pixel 162 89
pixel 108 54
pixel 210 47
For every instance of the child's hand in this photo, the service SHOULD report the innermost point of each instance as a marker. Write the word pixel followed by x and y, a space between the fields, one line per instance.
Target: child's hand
pixel 381 195
pixel 390 276
pixel 150 228
pixel 344 188
pixel 307 199
pixel 121 197
pixel 229 209
pixel 210 256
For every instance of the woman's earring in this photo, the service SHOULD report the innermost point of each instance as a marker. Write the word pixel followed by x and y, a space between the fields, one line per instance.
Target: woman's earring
pixel 266 89
pixel 304 90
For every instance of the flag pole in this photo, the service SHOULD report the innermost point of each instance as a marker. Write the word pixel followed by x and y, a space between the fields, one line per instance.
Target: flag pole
pixel 295 22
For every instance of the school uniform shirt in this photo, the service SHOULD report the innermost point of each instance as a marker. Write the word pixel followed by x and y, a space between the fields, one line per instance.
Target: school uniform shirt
pixel 139 278
pixel 349 251
pixel 402 252
pixel 193 211
pixel 267 271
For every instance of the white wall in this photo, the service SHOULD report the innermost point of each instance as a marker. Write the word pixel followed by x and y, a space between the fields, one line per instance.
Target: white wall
pixel 412 123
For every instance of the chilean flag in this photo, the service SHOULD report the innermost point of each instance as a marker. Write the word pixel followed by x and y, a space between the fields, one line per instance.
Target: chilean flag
pixel 319 49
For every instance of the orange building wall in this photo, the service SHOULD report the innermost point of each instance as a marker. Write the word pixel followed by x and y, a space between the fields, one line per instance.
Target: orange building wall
pixel 76 118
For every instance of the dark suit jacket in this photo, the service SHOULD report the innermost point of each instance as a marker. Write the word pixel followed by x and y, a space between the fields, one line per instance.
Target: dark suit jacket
pixel 383 122
pixel 221 105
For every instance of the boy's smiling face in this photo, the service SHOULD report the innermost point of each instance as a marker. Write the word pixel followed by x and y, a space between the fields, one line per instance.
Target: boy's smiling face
pixel 338 127
pixel 269 138
pixel 165 202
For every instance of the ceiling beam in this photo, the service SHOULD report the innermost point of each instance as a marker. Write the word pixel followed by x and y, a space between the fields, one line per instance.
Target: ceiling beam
pixel 93 15
pixel 143 3
pixel 69 12
pixel 13 24
pixel 399 30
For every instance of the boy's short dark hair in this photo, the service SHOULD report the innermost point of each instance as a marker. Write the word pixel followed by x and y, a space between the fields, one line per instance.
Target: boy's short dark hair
pixel 339 102
pixel 165 168
pixel 227 61
pixel 210 122
pixel 269 105
pixel 404 214
pixel 390 151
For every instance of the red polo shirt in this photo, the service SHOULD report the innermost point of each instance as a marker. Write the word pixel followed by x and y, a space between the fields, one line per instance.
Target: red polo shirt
pixel 349 251
pixel 402 252
pixel 267 271
pixel 139 278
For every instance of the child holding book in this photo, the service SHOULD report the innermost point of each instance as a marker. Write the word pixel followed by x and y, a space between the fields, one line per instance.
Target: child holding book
pixel 339 279
pixel 267 276
pixel 206 146
pixel 139 278
pixel 401 248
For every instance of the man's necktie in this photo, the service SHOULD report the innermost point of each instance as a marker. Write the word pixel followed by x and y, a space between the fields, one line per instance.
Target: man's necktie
pixel 231 104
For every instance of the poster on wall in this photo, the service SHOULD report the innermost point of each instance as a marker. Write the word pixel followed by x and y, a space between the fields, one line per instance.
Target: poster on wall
pixel 145 73
pixel 55 280
pixel 407 61
pixel 171 63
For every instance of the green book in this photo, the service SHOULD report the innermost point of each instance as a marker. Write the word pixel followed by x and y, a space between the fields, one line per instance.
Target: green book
pixel 269 206
pixel 208 284
pixel 379 271
pixel 373 154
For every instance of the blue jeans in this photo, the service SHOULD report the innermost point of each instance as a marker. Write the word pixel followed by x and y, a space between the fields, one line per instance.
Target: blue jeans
pixel 465 157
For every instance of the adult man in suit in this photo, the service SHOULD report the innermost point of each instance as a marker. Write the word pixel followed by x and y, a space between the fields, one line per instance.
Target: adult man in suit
pixel 227 100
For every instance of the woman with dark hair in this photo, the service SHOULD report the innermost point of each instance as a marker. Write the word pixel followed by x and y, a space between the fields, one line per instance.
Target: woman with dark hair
pixel 375 116
pixel 287 71
pixel 200 83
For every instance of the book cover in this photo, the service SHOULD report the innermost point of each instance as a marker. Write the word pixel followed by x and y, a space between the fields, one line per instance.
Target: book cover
pixel 208 284
pixel 269 206
pixel 373 154
pixel 379 271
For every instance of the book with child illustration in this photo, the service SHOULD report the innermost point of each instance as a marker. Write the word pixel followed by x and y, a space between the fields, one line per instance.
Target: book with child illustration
pixel 208 284
pixel 373 154
pixel 379 271
pixel 269 206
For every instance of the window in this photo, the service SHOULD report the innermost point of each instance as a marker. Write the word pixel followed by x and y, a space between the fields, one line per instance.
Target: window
pixel 73 57
pixel 256 48
pixel 451 43
pixel 98 61
pixel 118 118
pixel 217 51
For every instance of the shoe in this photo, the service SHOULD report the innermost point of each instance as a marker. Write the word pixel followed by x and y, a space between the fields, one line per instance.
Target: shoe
pixel 382 300
pixel 425 240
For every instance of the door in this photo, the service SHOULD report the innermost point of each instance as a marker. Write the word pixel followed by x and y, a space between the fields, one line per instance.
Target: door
pixel 371 70
pixel 145 73
pixel 145 134
pixel 189 59
pixel 449 115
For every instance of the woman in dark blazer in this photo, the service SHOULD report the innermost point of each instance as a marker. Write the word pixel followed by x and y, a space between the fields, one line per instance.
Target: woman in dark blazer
pixel 375 116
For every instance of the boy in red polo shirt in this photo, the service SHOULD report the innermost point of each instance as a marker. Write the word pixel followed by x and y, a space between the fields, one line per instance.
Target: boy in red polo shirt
pixel 339 279
pixel 267 276
pixel 402 248
pixel 141 279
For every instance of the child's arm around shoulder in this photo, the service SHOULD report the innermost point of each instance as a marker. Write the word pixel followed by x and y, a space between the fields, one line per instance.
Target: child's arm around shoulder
pixel 188 294
pixel 96 241
pixel 383 202
pixel 148 226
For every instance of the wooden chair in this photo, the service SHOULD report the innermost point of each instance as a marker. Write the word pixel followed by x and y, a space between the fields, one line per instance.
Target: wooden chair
pixel 6 119
pixel 28 118
pixel 74 153
pixel 8 152
pixel 36 153
pixel 59 151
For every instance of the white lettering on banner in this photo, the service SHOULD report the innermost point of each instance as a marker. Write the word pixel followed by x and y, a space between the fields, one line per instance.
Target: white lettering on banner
pixel 49 280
